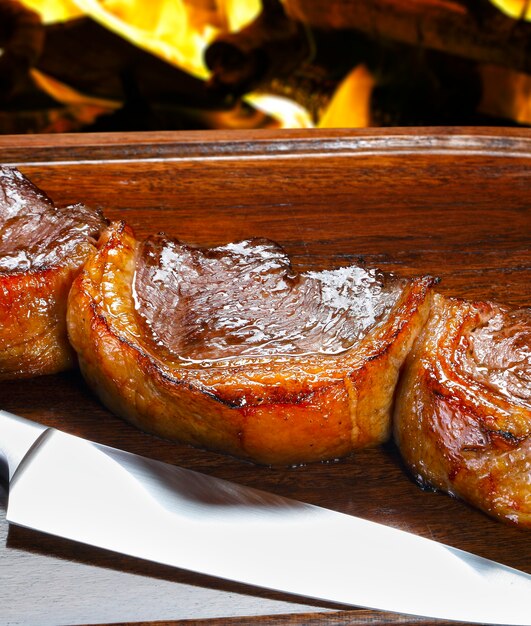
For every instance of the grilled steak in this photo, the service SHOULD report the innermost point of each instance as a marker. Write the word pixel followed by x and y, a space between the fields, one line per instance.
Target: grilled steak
pixel 42 248
pixel 231 349
pixel 463 413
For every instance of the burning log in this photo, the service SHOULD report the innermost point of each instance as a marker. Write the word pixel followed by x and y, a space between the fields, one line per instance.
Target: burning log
pixel 271 46
pixel 472 29
pixel 408 63
pixel 69 84
pixel 21 39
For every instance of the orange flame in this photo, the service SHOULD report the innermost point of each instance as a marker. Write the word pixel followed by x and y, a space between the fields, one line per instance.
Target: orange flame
pixel 506 94
pixel 350 105
pixel 178 31
pixel 517 9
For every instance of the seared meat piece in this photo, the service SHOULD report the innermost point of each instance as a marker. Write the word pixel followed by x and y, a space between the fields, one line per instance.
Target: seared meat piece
pixel 463 413
pixel 42 248
pixel 230 349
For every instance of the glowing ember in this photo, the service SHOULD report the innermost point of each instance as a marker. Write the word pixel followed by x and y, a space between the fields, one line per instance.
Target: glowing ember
pixel 288 113
pixel 506 94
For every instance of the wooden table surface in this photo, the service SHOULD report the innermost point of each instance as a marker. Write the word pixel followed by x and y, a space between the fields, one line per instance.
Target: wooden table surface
pixel 451 202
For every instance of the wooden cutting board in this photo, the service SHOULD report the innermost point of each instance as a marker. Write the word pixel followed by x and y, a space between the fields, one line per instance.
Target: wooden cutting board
pixel 452 203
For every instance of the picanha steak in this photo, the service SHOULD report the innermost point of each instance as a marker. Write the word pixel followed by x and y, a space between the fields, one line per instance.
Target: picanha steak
pixel 42 248
pixel 231 349
pixel 463 412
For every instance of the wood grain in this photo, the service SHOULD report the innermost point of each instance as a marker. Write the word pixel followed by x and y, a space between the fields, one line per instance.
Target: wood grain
pixel 451 202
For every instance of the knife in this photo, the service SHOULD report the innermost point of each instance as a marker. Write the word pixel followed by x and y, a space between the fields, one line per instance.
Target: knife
pixel 84 491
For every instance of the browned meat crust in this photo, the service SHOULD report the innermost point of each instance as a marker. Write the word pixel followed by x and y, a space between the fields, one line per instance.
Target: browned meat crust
pixel 232 350
pixel 463 412
pixel 42 248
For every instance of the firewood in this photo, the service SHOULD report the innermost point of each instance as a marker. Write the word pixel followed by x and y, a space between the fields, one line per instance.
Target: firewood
pixel 471 29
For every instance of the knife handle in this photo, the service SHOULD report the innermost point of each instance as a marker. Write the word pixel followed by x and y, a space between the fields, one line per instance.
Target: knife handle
pixel 17 435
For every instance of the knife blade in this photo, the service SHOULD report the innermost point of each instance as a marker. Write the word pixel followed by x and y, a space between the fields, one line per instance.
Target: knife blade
pixel 108 498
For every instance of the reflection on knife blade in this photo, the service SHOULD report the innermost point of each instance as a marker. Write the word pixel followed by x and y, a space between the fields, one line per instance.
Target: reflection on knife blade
pixel 108 498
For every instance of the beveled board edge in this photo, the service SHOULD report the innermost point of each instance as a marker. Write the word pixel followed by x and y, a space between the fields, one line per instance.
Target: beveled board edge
pixel 259 144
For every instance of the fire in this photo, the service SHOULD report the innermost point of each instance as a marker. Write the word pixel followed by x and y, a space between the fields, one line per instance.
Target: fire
pixel 517 9
pixel 54 10
pixel 178 31
pixel 350 105
pixel 288 113
pixel 506 94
